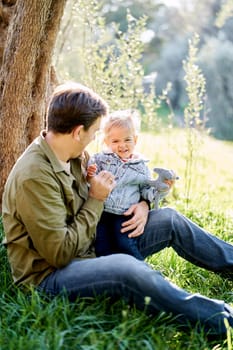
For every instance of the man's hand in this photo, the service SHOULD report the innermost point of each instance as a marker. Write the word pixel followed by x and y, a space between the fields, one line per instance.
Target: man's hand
pixel 101 185
pixel 137 223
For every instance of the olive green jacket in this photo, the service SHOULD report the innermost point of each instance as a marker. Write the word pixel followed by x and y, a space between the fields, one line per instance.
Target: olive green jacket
pixel 48 217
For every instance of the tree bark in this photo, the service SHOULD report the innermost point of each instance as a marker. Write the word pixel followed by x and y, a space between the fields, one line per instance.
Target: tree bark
pixel 6 9
pixel 25 77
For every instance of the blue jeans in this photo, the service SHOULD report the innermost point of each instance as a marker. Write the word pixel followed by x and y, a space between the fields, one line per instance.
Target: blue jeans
pixel 123 276
pixel 109 238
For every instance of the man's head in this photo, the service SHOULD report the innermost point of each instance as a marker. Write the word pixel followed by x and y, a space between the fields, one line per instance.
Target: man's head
pixel 73 116
pixel 72 105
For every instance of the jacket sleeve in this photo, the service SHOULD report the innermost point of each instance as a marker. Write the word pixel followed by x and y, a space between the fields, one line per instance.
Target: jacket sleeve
pixel 54 233
pixel 98 160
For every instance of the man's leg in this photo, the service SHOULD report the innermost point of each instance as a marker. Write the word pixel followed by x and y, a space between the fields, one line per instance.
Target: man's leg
pixel 122 276
pixel 168 228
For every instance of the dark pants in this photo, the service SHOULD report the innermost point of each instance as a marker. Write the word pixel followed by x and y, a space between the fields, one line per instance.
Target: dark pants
pixel 109 238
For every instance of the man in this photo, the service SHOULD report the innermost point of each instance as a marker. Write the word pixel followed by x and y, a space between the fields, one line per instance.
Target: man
pixel 50 215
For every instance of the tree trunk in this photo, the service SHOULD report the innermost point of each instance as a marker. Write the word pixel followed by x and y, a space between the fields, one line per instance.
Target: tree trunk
pixel 6 10
pixel 25 76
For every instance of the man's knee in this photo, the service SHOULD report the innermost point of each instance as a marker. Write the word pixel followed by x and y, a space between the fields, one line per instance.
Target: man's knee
pixel 125 265
pixel 162 215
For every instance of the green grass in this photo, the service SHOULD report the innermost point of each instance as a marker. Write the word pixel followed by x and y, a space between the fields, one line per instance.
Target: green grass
pixel 30 321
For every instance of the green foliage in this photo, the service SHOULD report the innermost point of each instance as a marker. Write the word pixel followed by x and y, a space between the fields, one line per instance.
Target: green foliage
pixel 114 69
pixel 192 114
pixel 225 12
pixel 109 61
pixel 113 58
pixel 195 87
pixel 32 321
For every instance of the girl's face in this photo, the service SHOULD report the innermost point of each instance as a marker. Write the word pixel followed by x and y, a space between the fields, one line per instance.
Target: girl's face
pixel 121 141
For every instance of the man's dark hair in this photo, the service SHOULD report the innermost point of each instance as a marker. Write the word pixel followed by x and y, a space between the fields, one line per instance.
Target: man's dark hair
pixel 72 105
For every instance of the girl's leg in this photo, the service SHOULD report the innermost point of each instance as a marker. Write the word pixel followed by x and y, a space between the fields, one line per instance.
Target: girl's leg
pixel 103 236
pixel 124 244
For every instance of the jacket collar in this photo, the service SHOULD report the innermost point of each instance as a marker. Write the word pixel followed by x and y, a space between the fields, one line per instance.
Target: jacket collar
pixel 138 159
pixel 40 140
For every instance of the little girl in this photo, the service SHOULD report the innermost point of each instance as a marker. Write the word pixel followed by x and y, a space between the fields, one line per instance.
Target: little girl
pixel 131 174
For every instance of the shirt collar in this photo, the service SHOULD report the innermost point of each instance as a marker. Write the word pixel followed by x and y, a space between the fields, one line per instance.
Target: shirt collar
pixel 40 140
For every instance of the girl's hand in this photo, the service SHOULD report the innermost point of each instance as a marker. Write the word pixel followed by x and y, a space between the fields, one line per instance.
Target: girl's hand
pixel 91 171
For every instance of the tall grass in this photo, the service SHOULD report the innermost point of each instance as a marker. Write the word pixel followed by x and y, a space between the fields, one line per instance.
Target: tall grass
pixel 194 124
pixel 30 321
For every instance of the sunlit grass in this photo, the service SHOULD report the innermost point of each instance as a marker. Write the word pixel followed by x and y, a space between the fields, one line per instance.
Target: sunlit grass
pixel 29 321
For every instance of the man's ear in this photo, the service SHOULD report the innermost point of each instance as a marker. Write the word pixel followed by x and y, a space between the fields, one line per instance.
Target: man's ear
pixel 135 139
pixel 76 132
pixel 106 141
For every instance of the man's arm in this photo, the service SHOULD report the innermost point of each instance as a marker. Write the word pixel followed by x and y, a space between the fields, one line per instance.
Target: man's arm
pixel 57 234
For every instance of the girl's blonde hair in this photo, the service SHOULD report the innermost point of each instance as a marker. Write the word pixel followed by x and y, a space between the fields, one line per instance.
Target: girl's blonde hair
pixel 127 118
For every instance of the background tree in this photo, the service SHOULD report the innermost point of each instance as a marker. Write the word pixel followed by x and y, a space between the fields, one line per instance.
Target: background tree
pixel 25 75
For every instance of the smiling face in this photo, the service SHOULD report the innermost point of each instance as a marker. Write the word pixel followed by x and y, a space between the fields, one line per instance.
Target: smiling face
pixel 121 140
